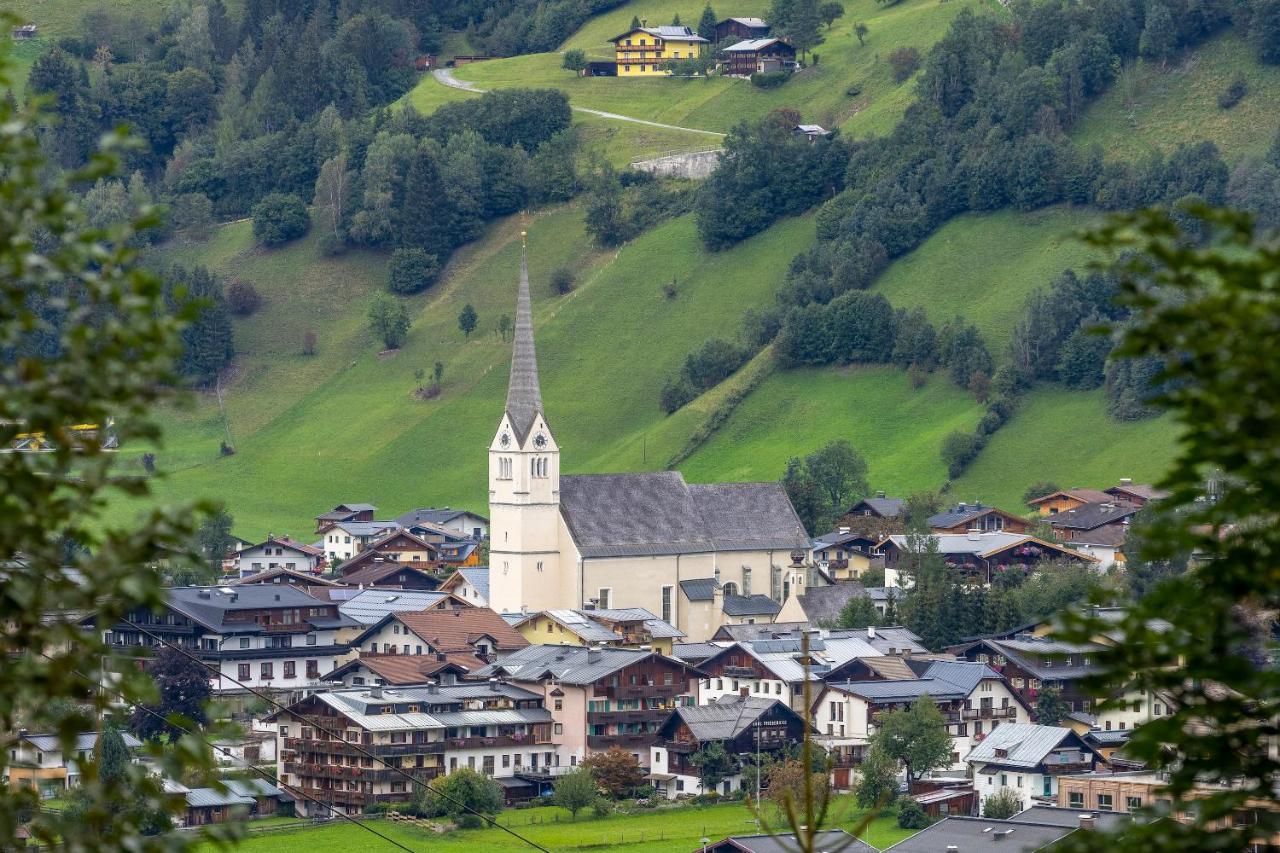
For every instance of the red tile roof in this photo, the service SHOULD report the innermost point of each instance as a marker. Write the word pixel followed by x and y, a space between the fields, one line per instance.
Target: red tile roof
pixel 460 628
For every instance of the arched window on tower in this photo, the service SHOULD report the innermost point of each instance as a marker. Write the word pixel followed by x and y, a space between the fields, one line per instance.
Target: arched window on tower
pixel 730 588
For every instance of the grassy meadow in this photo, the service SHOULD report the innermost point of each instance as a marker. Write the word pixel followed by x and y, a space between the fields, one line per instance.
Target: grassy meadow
pixel 660 831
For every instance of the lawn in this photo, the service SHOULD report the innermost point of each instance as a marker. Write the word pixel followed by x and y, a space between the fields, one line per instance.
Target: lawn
pixel 897 429
pixel 821 93
pixel 1066 437
pixel 983 266
pixel 659 831
pixel 313 431
pixel 1151 108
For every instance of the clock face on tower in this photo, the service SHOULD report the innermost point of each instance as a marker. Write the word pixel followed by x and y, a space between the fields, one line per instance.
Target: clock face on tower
pixel 539 441
pixel 504 439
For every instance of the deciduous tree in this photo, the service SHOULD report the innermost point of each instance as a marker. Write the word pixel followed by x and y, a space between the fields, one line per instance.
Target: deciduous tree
pixel 916 737
pixel 575 791
pixel 616 771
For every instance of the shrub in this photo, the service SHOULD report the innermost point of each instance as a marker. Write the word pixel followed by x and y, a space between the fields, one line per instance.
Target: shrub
pixel 958 450
pixel 1039 490
pixel 562 281
pixel 904 61
pixel 411 271
pixel 574 60
pixel 911 815
pixel 1002 805
pixel 309 342
pixel 602 807
pixel 242 298
pixel 770 79
pixel 1234 93
pixel 279 218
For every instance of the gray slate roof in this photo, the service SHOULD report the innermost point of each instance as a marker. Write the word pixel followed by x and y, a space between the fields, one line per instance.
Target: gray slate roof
pixel 432 515
pixel 1027 744
pixel 941 680
pixel 823 604
pixel 1057 816
pixel 620 515
pixel 955 515
pixel 211 611
pixel 694 653
pixel 524 397
pixel 699 589
pixel 725 718
pixel 1092 515
pixel 568 664
pixel 370 606
pixel 84 741
pixel 970 834
pixel 1030 654
pixel 750 605
pixel 367 528
pixel 884 507
pixel 479 578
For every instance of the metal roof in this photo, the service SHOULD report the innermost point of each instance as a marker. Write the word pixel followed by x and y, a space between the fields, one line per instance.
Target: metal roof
pixel 479 578
pixel 725 718
pixel 569 664
pixel 694 653
pixel 209 797
pixel 971 833
pixel 367 528
pixel 699 589
pixel 83 741
pixel 370 606
pixel 1027 745
pixel 750 45
pixel 750 605
pixel 1057 816
pixel 826 839
pixel 503 717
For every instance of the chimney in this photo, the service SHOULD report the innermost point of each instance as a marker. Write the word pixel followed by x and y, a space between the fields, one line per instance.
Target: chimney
pixel 962 506
pixel 951 848
pixel 1126 481
pixel 1087 821
pixel 744 692
pixel 843 530
pixel 594 655
pixel 277 596
pixel 871 632
pixel 433 688
pixel 375 692
pixel 880 495
pixel 975 535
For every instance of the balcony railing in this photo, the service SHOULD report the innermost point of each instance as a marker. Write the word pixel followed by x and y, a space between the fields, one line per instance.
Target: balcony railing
pixel 989 713
pixel 645 691
pixel 496 740
pixel 646 715
pixel 1054 767
pixel 623 741
pixel 326 795
pixel 741 672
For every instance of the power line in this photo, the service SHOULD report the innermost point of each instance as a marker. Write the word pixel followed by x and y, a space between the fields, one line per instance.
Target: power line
pixel 253 767
pixel 355 746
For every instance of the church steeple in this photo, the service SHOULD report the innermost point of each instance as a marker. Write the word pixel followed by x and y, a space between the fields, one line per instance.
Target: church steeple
pixel 524 398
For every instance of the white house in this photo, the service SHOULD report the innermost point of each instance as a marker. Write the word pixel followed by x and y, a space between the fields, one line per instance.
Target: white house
pixel 37 761
pixel 846 714
pixel 278 552
pixel 1028 760
pixel 469 524
pixel 345 539
pixel 470 584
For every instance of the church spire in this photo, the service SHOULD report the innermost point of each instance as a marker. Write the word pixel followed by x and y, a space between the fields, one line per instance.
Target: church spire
pixel 524 399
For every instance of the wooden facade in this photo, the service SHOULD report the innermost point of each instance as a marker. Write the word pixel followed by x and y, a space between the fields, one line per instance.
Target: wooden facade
pixel 773 56
pixel 736 29
pixel 772 732
pixel 628 707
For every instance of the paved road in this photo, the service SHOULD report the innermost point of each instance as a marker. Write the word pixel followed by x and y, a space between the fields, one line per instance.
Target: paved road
pixel 445 77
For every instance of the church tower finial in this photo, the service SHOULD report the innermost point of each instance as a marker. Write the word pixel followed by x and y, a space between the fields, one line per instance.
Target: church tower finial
pixel 524 397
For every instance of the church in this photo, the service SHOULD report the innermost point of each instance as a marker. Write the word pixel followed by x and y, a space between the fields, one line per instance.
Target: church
pixel 698 555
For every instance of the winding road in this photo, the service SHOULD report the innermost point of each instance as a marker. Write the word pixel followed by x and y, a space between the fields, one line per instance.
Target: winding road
pixel 445 77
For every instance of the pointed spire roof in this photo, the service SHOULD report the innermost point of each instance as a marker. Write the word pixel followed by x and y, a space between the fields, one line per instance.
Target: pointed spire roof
pixel 524 399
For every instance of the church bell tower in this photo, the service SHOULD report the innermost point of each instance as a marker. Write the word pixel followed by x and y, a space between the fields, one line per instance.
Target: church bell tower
pixel 524 482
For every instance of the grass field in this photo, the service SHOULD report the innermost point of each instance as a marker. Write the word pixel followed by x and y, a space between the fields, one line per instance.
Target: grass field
pixel 983 266
pixel 663 831
pixel 315 431
pixel 820 92
pixel 1071 441
pixel 1154 109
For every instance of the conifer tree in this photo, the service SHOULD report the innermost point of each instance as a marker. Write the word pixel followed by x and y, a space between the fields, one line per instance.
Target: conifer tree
pixel 707 23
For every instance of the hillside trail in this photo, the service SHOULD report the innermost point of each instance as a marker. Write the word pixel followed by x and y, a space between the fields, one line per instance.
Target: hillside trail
pixel 445 77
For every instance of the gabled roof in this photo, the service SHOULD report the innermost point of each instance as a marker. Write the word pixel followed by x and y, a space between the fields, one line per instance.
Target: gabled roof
pixel 593 625
pixel 83 742
pixel 366 528
pixel 726 717
pixel 374 573
pixel 962 513
pixel 409 669
pixel 1093 515
pixel 460 628
pixel 478 577
pixel 836 539
pixel 576 665
pixel 209 605
pixel 747 22
pixel 1030 654
pixel 1142 491
pixel 666 33
pixel 694 653
pixel 293 544
pixel 368 606
pixel 1082 495
pixel 883 507
pixel 619 515
pixel 989 544
pixel 754 45
pixel 269 576
pixel 945 680
pixel 822 605
pixel 1025 745
pixel 432 515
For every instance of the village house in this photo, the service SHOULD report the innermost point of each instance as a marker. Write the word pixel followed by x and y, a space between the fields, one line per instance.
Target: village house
pixel 624 540
pixel 284 577
pixel 388 670
pixel 344 539
pixel 243 798
pixel 760 55
pixel 1029 760
pixel 737 29
pixel 344 512
pixel 270 637
pixel 388 574
pixel 972 698
pixel 278 552
pixel 1066 499
pixel 398 546
pixel 847 554
pixel 1098 529
pixel 459 521
pixel 1138 494
pixel 1031 664
pixel 980 556
pixel 37 761
pixel 644 51
pixel 601 698
pixel 353 748
pixel 628 628
pixel 965 517
pixel 473 630
pixel 740 724
pixel 885 640
pixel 469 584
pixel 370 606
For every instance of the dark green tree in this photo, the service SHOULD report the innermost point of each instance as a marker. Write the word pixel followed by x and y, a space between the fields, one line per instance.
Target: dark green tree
pixel 859 613
pixel 461 795
pixel 1002 805
pixel 467 320
pixel 1051 708
pixel 389 320
pixel 714 765
pixel 1264 30
pixel 183 685
pixel 829 11
pixel 279 218
pixel 1159 38
pixel 707 23
pixel 877 779
pixel 214 540
pixel 411 270
pixel 860 30
pixel 574 60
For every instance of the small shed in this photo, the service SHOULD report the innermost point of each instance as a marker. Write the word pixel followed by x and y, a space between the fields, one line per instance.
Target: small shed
pixel 600 68
pixel 944 802
pixel 26 32
pixel 813 132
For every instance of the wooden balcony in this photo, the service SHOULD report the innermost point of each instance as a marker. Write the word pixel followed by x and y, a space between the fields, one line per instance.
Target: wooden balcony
pixel 626 741
pixel 335 797
pixel 647 715
pixel 495 740
pixel 646 691
pixel 1055 767
pixel 989 713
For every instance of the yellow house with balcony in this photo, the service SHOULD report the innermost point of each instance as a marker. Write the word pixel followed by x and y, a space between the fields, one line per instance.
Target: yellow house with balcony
pixel 642 52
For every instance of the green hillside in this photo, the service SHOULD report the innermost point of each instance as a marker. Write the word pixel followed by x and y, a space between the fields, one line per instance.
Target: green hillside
pixel 1066 437
pixel 820 92
pixel 1154 109
pixel 311 432
pixel 983 266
